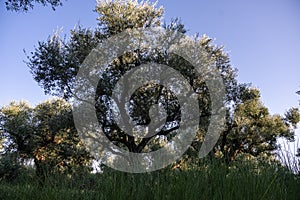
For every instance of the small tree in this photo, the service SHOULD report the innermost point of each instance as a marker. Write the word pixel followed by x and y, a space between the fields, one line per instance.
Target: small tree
pixel 252 130
pixel 46 134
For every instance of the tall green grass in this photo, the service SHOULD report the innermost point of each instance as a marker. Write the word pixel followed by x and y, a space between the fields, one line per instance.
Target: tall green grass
pixel 210 180
pixel 286 154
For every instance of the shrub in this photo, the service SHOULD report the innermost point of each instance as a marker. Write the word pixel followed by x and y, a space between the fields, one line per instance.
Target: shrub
pixel 9 167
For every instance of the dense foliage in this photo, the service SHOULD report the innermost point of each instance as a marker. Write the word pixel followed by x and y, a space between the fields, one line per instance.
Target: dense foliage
pixel 45 134
pixel 250 128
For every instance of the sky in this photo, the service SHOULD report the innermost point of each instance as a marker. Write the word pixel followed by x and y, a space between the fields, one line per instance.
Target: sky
pixel 262 39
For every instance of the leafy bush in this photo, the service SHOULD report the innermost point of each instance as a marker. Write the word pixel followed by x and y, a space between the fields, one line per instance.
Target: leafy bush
pixel 9 167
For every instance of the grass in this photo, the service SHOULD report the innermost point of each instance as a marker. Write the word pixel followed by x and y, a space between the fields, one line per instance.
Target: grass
pixel 287 155
pixel 214 180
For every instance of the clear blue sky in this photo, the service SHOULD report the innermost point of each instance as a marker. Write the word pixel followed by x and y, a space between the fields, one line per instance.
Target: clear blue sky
pixel 261 37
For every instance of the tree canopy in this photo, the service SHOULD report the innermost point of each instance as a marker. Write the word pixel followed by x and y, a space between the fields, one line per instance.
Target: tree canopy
pixel 249 129
pixel 46 134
